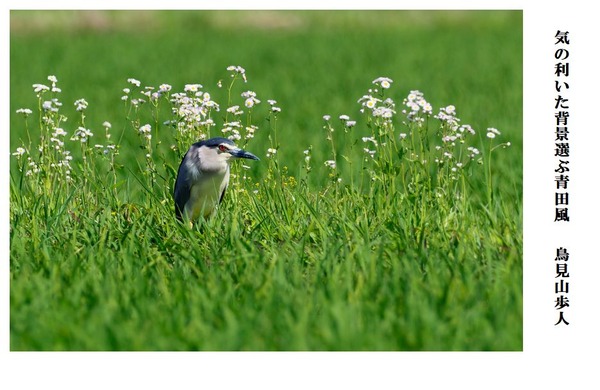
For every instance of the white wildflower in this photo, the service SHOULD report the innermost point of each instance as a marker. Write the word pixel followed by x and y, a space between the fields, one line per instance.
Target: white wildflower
pixel 271 152
pixel 48 106
pixel 59 132
pixel 81 134
pixel 164 88
pixel 24 111
pixel 81 104
pixel 384 82
pixel 370 139
pixel 467 128
pixel 19 152
pixel 383 112
pixel 38 88
pixel 192 87
pixel 235 110
pixel 145 131
pixel 371 153
pixel 237 70
pixel 250 130
pixel 492 132
pixel 251 99
pixel 133 81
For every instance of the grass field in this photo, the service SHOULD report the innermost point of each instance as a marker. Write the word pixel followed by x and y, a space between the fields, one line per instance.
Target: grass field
pixel 321 245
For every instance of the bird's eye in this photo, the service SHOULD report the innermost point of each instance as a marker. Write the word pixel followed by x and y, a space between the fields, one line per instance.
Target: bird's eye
pixel 222 148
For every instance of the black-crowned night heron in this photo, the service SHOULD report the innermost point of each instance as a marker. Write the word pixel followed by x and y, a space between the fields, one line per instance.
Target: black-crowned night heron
pixel 203 177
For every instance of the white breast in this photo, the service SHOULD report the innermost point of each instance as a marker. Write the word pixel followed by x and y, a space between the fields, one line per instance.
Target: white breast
pixel 205 194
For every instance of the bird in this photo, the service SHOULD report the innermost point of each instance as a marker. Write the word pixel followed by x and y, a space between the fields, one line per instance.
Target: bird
pixel 203 177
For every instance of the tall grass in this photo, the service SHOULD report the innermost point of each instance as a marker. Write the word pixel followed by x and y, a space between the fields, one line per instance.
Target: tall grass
pixel 390 232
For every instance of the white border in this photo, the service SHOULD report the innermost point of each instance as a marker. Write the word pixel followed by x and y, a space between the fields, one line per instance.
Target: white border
pixel 552 358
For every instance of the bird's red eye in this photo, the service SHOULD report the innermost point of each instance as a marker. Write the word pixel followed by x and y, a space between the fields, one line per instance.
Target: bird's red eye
pixel 222 148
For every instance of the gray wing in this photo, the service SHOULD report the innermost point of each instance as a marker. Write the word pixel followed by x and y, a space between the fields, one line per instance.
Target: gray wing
pixel 222 193
pixel 181 193
pixel 224 185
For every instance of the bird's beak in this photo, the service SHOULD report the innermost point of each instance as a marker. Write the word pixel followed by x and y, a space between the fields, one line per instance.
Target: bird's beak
pixel 241 153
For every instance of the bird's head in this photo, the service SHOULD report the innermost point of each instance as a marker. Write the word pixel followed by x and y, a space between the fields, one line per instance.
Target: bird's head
pixel 214 154
pixel 226 149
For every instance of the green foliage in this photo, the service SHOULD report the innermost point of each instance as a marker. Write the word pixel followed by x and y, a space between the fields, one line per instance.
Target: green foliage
pixel 383 230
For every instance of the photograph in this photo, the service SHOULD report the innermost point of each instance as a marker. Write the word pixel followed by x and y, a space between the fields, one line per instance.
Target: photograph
pixel 300 195
pixel 266 180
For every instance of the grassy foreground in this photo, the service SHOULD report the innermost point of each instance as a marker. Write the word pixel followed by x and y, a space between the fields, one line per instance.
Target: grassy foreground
pixel 386 230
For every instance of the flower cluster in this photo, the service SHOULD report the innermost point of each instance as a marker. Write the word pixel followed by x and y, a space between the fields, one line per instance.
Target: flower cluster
pixel 104 150
pixel 417 106
pixel 19 152
pixel 192 108
pixel 271 152
pixel 274 108
pixel 135 82
pixel 110 148
pixel 40 89
pixel 447 116
pixel 383 82
pixel 53 159
pixel 473 152
pixel 232 130
pixel 381 109
pixel 235 110
pixel 385 111
pixel 32 167
pixel 81 104
pixel 164 88
pixel 347 122
pixel 368 101
pixel 251 99
pixel 307 157
pixel 449 152
pixel 52 105
pixel 56 138
pixel 250 130
pixel 82 134
pixel 492 132
pixel 237 70
pixel 25 111
pixel 151 94
pixel 145 131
